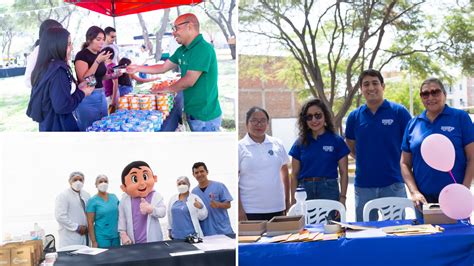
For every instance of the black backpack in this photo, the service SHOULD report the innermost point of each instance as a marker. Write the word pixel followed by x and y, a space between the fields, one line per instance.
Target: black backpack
pixel 50 244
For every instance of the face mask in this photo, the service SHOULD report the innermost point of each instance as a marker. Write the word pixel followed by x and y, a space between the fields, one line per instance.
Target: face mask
pixel 77 186
pixel 183 188
pixel 102 187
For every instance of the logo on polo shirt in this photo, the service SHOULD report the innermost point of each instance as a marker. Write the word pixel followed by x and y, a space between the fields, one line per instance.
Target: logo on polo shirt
pixel 328 148
pixel 387 122
pixel 447 128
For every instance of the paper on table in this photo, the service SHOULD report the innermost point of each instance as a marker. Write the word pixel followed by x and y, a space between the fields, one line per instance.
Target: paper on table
pixel 353 227
pixel 89 251
pixel 184 253
pixel 279 238
pixel 216 242
pixel 412 229
pixel 248 239
pixel 366 233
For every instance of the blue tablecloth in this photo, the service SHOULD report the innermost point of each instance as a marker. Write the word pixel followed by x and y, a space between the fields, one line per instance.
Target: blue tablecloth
pixel 455 246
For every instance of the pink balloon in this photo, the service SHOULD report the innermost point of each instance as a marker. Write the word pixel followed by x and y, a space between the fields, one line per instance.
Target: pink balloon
pixel 456 201
pixel 438 152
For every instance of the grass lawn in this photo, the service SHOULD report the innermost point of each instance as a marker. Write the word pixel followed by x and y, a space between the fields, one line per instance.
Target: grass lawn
pixel 14 97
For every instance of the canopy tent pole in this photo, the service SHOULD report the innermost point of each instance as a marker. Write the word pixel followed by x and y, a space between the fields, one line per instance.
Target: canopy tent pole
pixel 113 17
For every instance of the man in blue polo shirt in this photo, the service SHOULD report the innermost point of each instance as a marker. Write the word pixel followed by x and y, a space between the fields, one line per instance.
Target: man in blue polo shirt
pixel 374 135
pixel 424 182
pixel 217 198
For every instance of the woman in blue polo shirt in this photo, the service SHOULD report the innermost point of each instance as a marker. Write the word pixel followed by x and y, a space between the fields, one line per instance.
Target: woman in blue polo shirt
pixel 424 182
pixel 317 154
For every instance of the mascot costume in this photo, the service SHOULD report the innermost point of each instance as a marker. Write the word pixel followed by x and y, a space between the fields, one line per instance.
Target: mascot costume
pixel 141 206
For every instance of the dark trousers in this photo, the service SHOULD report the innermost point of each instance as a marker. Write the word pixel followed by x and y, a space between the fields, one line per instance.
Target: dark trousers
pixel 263 216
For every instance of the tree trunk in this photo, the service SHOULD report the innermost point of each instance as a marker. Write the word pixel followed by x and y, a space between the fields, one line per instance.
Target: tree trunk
pixel 232 51
pixel 160 33
pixel 224 23
pixel 147 41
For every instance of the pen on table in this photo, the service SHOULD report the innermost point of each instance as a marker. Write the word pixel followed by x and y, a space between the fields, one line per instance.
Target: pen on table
pixel 167 244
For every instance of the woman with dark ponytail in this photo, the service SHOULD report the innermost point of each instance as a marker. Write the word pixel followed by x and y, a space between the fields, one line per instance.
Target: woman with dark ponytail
pixel 90 62
pixel 55 94
pixel 31 60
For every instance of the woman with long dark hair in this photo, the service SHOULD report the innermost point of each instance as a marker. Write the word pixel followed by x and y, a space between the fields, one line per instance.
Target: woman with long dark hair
pixel 90 62
pixel 317 154
pixel 31 60
pixel 55 95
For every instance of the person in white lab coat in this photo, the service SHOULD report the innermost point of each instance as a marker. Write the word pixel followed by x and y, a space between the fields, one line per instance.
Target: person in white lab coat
pixel 141 207
pixel 70 212
pixel 185 210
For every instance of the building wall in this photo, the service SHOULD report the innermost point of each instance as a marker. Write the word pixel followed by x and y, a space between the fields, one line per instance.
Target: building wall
pixel 278 102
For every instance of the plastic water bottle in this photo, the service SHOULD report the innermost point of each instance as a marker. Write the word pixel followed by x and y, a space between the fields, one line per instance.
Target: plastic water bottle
pixel 300 196
pixel 39 232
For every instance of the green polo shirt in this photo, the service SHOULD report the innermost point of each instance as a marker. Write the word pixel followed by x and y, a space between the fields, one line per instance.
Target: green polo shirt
pixel 201 100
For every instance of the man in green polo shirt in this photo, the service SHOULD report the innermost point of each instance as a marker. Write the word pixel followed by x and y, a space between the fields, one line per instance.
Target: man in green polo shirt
pixel 198 63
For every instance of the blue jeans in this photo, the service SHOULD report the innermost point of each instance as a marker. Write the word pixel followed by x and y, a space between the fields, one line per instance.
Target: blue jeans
pixel 204 126
pixel 106 243
pixel 91 109
pixel 175 117
pixel 324 189
pixel 123 90
pixel 364 194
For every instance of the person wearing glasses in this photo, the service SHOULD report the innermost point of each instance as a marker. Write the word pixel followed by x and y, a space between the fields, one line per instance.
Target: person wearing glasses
pixel 424 182
pixel 110 37
pixel 263 171
pixel 374 133
pixel 317 155
pixel 197 61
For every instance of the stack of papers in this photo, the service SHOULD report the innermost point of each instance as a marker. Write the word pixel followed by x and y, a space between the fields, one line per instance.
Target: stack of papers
pixel 303 236
pixel 409 230
pixel 248 239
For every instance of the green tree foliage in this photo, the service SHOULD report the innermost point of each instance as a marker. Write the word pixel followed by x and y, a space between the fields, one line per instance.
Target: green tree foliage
pixel 333 41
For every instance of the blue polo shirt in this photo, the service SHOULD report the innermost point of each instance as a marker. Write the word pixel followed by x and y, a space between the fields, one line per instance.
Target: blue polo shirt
pixel 378 138
pixel 321 156
pixel 452 123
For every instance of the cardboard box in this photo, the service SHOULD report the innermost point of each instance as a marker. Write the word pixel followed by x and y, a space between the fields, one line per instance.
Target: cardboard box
pixel 22 256
pixel 37 250
pixel 280 225
pixel 432 214
pixel 5 256
pixel 252 228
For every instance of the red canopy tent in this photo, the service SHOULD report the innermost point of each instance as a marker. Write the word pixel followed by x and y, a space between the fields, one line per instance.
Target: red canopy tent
pixel 116 8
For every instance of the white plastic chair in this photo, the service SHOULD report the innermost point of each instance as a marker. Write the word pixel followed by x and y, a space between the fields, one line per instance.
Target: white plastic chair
pixel 390 208
pixel 317 210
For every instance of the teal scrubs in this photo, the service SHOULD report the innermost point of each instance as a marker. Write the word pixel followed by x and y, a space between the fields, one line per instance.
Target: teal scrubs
pixel 106 220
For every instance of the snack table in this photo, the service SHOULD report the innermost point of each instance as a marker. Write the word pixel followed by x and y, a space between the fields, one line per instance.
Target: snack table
pixel 454 246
